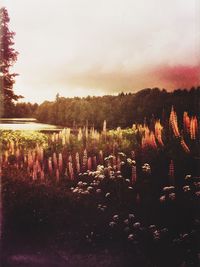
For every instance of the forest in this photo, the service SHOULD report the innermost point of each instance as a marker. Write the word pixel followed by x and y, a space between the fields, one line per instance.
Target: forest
pixel 121 110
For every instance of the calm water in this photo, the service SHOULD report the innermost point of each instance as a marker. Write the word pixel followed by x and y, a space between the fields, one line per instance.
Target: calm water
pixel 26 124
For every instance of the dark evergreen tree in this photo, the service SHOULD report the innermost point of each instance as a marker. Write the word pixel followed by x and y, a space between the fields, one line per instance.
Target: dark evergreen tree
pixel 8 57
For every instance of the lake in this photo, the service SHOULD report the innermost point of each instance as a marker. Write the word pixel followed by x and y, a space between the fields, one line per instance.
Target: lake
pixel 26 124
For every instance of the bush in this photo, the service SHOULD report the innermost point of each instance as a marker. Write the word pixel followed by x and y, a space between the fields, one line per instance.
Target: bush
pixel 25 139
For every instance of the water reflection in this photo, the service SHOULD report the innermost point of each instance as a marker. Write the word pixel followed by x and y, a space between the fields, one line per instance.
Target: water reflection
pixel 25 124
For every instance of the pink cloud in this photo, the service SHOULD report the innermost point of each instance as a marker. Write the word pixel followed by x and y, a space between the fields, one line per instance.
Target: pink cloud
pixel 179 76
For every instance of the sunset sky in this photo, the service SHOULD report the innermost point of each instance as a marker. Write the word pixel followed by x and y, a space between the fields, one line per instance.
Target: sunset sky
pixel 96 47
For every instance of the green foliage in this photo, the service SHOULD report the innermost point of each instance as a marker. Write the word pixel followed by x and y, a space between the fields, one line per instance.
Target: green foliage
pixel 26 139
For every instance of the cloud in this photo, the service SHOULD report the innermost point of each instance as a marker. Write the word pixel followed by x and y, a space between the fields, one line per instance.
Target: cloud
pixel 108 81
pixel 163 76
pixel 180 76
pixel 97 80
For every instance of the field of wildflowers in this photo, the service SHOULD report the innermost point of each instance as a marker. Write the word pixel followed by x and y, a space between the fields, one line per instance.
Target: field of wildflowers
pixel 136 188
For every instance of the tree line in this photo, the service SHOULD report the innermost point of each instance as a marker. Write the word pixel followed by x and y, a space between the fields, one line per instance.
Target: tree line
pixel 121 110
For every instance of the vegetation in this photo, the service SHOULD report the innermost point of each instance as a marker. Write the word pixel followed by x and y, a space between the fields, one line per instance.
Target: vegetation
pixel 24 110
pixel 8 57
pixel 134 191
pixel 22 139
pixel 119 110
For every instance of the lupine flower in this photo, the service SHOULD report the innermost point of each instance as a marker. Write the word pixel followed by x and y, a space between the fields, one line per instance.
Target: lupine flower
pixel 148 140
pixel 60 162
pixel 17 153
pixel 186 122
pixel 30 160
pixel 193 128
pixel 42 175
pixel 101 157
pixel 71 171
pixel 184 146
pixel 173 122
pixel 50 167
pixel 94 162
pixel 70 158
pixel 86 133
pixel 57 175
pixel 133 174
pixel 118 163
pixel 89 163
pixel 77 162
pixel 85 160
pixel 158 132
pixel 80 134
pixel 55 161
pixel 104 126
pixel 171 171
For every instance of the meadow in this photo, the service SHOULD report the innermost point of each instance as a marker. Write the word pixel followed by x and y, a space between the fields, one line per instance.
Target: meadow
pixel 133 192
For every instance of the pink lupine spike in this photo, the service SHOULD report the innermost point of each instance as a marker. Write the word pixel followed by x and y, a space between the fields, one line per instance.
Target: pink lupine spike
pixel 101 157
pixel 85 160
pixel 55 161
pixel 171 172
pixel 50 167
pixel 118 164
pixel 57 175
pixel 60 162
pixel 94 162
pixel 42 175
pixel 186 122
pixel 71 171
pixel 184 146
pixel 70 158
pixel 77 163
pixel 134 175
pixel 89 163
pixel 17 153
pixel 158 132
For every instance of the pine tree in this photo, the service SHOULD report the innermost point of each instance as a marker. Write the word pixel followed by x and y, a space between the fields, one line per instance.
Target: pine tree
pixel 8 56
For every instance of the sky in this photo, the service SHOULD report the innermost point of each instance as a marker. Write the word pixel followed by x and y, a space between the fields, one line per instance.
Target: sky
pixel 97 47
